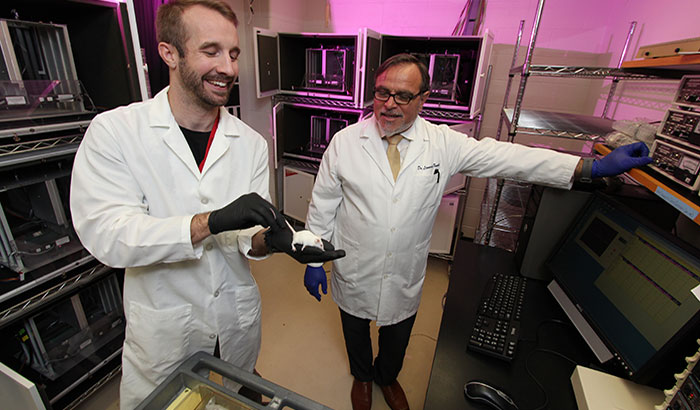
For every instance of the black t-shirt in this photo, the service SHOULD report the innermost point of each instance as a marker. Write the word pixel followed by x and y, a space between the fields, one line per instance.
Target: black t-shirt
pixel 198 141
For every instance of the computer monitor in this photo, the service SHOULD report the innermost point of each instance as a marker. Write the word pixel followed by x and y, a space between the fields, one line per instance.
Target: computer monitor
pixel 630 289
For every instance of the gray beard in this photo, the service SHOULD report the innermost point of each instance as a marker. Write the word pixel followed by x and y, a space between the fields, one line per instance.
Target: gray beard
pixel 383 132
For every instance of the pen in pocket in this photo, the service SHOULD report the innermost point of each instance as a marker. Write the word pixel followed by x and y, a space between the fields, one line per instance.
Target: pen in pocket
pixel 437 171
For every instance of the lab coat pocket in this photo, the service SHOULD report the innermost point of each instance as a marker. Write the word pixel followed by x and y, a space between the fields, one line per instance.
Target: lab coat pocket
pixel 247 306
pixel 427 190
pixel 227 241
pixel 346 267
pixel 420 261
pixel 157 340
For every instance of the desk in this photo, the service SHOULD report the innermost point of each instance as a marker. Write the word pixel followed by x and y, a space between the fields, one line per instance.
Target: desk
pixel 453 365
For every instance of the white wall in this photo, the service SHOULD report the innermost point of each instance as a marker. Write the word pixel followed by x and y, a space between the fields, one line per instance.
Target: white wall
pixel 277 15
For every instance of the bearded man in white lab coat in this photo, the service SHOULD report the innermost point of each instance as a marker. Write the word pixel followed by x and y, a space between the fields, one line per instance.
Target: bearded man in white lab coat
pixel 383 217
pixel 150 188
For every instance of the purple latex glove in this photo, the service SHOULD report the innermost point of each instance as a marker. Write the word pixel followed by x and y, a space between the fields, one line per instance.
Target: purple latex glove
pixel 313 277
pixel 621 159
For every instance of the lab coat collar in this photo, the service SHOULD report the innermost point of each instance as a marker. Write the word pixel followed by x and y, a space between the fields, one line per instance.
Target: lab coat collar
pixel 160 116
pixel 371 140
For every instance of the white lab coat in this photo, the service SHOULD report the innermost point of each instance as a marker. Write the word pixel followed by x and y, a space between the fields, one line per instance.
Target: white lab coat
pixel 385 226
pixel 135 188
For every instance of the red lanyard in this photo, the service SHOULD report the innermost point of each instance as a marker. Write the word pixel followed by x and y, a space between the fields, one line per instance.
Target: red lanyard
pixel 211 138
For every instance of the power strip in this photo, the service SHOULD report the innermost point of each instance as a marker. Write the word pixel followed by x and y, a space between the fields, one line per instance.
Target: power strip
pixel 685 395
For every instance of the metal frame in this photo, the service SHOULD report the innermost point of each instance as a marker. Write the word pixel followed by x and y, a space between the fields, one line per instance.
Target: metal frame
pixel 527 69
pixel 41 299
pixel 315 101
pixel 9 150
pixel 95 387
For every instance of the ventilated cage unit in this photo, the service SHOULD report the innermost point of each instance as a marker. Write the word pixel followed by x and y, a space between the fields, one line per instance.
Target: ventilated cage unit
pixel 444 71
pixel 329 69
pixel 303 131
pixel 457 65
pixel 328 83
pixel 37 75
pixel 35 225
pixel 61 318
pixel 74 328
pixel 321 68
pixel 322 130
pixel 66 338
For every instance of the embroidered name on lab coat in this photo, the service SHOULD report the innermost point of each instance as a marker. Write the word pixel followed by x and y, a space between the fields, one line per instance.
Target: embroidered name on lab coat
pixel 433 165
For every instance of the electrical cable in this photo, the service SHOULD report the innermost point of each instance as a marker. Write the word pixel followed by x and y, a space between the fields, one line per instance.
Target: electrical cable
pixel 548 321
pixel 46 249
pixel 548 351
pixel 426 336
pixel 529 372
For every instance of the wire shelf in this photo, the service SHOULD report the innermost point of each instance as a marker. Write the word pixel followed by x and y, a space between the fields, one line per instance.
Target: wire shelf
pixel 32 146
pixel 595 72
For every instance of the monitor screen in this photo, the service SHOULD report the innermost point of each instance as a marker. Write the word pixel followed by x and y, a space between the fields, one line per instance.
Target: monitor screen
pixel 634 289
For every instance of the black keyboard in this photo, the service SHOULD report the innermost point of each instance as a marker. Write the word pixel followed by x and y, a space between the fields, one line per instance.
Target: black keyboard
pixel 497 324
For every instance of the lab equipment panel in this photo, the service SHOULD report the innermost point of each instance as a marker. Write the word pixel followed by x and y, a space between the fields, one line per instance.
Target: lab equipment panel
pixel 457 67
pixel 303 131
pixel 680 164
pixel 685 394
pixel 329 66
pixel 681 127
pixel 688 94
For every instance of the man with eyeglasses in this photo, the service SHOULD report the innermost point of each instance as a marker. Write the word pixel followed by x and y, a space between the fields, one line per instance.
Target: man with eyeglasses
pixel 376 195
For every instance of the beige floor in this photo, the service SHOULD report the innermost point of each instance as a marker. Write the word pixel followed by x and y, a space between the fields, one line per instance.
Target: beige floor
pixel 302 343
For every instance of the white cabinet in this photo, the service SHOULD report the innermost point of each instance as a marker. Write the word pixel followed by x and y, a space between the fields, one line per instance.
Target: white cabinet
pixel 444 228
pixel 297 186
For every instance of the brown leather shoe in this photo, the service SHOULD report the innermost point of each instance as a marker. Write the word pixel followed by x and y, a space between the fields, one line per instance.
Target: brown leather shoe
pixel 361 395
pixel 394 396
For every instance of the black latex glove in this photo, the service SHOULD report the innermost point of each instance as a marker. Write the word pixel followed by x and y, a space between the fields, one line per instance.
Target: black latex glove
pixel 245 212
pixel 280 240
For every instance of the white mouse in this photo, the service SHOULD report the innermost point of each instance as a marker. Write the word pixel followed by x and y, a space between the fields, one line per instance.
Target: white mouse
pixel 304 238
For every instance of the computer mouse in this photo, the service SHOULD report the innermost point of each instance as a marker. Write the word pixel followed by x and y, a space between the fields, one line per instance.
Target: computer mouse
pixel 483 393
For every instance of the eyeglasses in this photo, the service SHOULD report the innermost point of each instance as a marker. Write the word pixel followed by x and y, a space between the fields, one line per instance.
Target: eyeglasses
pixel 401 98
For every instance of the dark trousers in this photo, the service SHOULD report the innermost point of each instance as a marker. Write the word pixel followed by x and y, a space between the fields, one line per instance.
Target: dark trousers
pixel 393 340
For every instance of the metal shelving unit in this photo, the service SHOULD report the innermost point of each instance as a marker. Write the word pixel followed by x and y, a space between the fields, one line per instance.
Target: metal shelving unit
pixel 555 124
pixel 61 315
pixel 688 205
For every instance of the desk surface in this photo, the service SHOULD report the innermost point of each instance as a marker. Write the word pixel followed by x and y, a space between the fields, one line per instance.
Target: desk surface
pixel 543 326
